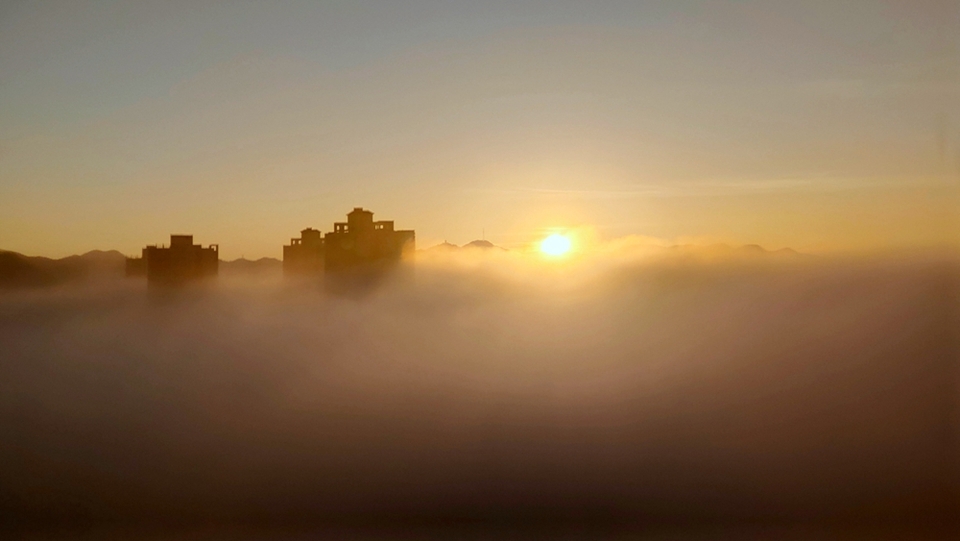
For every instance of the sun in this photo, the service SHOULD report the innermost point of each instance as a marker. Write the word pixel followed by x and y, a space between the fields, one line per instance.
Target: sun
pixel 555 245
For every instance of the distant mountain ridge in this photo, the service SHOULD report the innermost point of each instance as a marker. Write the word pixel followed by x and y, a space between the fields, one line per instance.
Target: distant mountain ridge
pixel 21 271
pixel 476 244
pixel 18 271
pixel 251 266
pixel 727 250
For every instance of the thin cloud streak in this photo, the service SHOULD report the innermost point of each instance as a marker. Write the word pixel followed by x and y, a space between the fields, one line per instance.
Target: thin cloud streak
pixel 721 186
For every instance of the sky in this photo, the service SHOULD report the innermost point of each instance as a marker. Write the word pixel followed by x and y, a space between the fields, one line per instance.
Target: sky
pixel 820 125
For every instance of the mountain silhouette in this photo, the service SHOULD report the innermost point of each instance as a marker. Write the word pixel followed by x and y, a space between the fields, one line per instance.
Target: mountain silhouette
pixel 443 247
pixel 473 245
pixel 484 244
pixel 21 271
pixel 264 265
pixel 725 250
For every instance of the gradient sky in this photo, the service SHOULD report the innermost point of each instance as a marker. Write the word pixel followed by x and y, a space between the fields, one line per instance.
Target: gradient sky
pixel 818 125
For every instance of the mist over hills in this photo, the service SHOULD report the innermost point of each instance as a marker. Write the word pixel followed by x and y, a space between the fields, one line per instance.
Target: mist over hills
pixel 492 387
pixel 21 271
pixel 264 265
pixel 482 244
pixel 476 244
pixel 18 270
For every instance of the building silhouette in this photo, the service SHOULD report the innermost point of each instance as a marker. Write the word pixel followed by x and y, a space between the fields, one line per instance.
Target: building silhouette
pixel 355 246
pixel 135 266
pixel 305 254
pixel 182 261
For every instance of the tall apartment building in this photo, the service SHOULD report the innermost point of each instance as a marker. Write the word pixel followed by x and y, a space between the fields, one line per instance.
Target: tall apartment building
pixel 357 244
pixel 182 261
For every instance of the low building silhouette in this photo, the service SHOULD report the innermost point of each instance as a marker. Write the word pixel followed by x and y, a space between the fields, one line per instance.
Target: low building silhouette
pixel 305 254
pixel 135 266
pixel 353 247
pixel 182 261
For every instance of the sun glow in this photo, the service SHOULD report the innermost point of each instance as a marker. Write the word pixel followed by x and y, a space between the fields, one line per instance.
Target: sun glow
pixel 555 245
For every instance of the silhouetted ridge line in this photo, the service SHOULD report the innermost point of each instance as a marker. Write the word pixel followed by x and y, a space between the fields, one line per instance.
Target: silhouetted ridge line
pixel 443 247
pixel 749 250
pixel 21 271
pixel 472 245
pixel 263 265
pixel 482 244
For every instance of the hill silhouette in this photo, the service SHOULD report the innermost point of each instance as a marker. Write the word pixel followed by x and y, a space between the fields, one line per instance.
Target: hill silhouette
pixel 727 251
pixel 483 244
pixel 21 271
pixel 447 247
pixel 443 247
pixel 263 265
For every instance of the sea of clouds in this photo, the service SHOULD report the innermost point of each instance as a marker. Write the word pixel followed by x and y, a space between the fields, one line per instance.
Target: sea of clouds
pixel 658 385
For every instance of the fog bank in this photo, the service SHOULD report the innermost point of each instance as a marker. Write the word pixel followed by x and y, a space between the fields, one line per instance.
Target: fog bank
pixel 679 388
